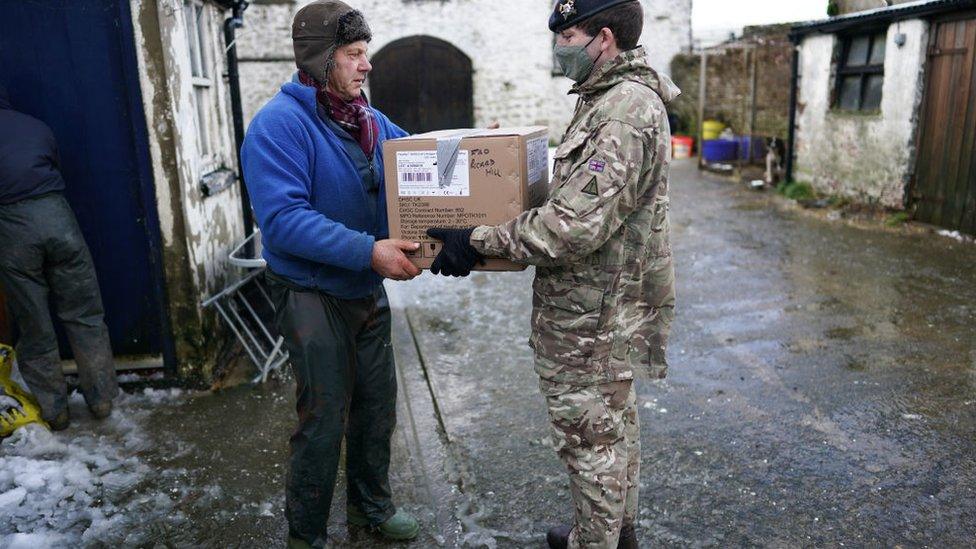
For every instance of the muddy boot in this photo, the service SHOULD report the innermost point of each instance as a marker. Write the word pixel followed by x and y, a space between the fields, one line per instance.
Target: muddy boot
pixel 558 537
pixel 628 537
pixel 60 422
pixel 101 410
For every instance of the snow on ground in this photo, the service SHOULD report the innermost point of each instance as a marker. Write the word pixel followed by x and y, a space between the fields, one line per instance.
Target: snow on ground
pixel 955 235
pixel 80 486
pixel 137 378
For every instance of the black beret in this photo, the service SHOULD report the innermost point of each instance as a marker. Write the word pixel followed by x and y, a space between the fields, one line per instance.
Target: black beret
pixel 572 12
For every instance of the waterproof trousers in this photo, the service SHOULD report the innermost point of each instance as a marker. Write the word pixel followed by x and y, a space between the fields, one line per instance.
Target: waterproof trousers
pixel 43 257
pixel 342 358
pixel 597 436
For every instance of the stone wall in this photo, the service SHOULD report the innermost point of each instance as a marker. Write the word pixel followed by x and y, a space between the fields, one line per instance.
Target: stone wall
pixel 851 6
pixel 729 84
pixel 867 157
pixel 507 40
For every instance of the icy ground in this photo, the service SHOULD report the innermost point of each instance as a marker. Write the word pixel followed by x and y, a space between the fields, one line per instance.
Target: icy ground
pixel 822 394
pixel 955 235
pixel 90 485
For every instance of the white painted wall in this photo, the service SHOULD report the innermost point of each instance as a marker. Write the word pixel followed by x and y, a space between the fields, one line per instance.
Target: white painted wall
pixel 211 226
pixel 151 85
pixel 214 225
pixel 866 157
pixel 508 42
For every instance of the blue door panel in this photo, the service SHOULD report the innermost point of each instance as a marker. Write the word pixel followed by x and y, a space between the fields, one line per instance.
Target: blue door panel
pixel 69 63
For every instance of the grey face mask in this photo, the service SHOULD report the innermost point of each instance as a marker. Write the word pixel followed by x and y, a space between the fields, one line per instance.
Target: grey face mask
pixel 574 61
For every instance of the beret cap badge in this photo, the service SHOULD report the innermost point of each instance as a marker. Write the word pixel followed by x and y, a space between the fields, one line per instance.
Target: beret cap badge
pixel 567 9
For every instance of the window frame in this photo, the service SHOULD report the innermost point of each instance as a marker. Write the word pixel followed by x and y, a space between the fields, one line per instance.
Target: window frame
pixel 202 69
pixel 863 72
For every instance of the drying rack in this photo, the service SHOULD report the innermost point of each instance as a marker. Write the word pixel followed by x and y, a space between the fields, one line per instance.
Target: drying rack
pixel 240 315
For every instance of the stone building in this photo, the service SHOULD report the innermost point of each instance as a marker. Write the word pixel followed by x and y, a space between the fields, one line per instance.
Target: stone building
pixel 452 62
pixel 845 7
pixel 141 111
pixel 886 109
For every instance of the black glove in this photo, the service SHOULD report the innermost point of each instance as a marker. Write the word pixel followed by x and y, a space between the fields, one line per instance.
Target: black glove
pixel 458 256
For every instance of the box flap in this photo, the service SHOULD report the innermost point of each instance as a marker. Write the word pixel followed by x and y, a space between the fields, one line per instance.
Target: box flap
pixel 476 132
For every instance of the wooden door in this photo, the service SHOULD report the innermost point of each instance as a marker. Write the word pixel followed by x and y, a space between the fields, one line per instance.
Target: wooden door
pixel 423 84
pixel 945 185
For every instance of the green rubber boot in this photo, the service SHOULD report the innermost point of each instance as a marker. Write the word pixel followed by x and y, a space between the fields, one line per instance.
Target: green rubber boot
pixel 399 527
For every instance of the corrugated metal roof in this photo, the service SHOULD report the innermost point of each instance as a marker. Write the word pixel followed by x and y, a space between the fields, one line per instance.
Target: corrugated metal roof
pixel 919 8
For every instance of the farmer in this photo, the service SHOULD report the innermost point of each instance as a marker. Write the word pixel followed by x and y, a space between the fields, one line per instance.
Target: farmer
pixel 313 166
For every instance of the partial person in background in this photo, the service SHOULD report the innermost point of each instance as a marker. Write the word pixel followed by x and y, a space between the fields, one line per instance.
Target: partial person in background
pixel 313 166
pixel 43 256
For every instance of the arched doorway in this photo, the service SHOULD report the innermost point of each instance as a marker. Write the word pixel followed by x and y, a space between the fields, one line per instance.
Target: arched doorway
pixel 423 84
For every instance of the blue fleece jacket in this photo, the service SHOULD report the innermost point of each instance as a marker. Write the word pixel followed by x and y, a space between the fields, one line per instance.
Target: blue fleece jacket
pixel 317 225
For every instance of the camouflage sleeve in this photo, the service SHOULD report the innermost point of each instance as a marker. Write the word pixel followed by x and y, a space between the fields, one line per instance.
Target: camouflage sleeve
pixel 583 210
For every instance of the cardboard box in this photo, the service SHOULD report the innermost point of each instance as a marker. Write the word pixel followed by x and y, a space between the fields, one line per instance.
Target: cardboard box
pixel 496 175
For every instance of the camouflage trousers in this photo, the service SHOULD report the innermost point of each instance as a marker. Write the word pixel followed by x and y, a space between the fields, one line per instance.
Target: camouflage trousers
pixel 597 435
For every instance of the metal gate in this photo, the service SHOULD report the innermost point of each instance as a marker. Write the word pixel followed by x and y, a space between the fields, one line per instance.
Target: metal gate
pixel 72 64
pixel 945 185
pixel 423 84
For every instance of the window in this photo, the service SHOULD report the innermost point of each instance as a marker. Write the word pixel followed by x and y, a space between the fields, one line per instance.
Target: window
pixel 201 63
pixel 860 73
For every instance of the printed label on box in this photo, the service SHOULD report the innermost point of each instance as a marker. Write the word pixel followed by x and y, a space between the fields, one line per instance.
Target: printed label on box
pixel 417 175
pixel 538 153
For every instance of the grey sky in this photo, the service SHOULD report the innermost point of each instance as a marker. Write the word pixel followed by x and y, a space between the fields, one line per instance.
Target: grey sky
pixel 727 14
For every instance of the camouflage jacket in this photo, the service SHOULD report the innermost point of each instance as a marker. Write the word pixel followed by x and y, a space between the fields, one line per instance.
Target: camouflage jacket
pixel 603 296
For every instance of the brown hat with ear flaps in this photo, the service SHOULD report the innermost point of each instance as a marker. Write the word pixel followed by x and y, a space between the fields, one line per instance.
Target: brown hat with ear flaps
pixel 319 29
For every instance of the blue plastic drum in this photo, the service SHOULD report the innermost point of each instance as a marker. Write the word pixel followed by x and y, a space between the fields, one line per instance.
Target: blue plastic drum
pixel 720 150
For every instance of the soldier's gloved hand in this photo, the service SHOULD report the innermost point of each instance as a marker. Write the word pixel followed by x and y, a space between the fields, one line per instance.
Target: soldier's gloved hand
pixel 457 257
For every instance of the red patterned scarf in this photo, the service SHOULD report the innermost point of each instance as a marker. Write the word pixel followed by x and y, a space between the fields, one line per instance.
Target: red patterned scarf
pixel 354 116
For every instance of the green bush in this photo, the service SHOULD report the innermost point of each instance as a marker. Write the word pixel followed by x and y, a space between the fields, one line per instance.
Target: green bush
pixel 796 191
pixel 897 219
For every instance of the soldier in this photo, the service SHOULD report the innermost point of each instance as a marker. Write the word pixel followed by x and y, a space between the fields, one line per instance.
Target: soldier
pixel 603 296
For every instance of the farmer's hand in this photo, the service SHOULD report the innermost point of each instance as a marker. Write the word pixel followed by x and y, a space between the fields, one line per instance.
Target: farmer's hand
pixel 390 262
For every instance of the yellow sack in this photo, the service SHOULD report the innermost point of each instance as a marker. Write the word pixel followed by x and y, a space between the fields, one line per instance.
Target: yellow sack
pixel 17 406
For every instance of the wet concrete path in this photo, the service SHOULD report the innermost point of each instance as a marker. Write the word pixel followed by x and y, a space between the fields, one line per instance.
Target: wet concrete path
pixel 823 386
pixel 822 393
